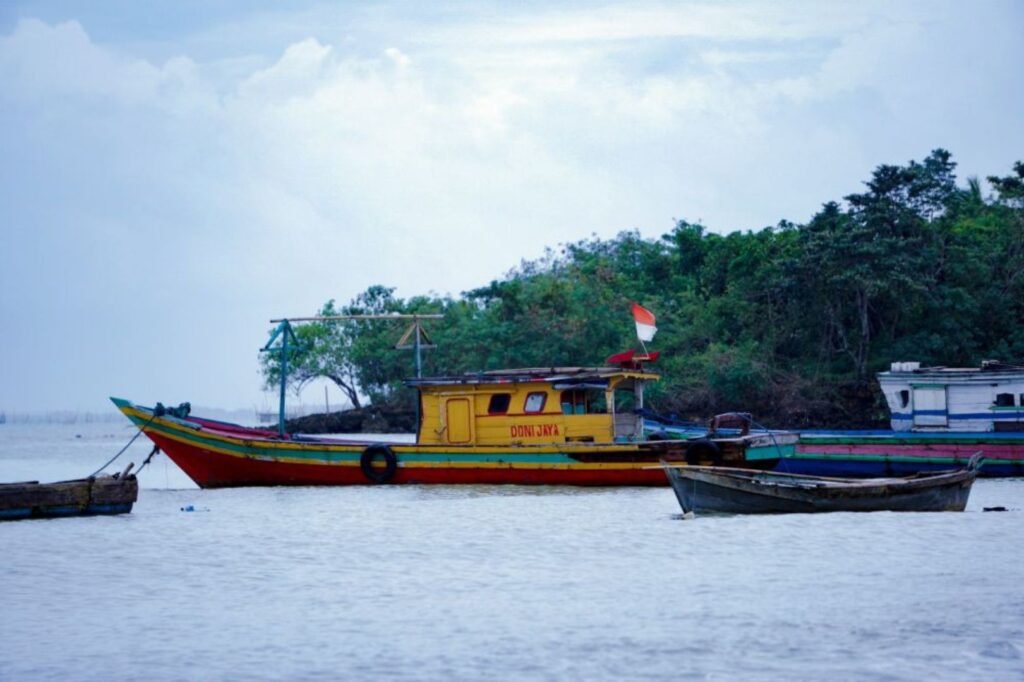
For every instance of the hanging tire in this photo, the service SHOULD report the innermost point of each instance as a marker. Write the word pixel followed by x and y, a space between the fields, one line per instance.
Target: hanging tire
pixel 373 454
pixel 703 450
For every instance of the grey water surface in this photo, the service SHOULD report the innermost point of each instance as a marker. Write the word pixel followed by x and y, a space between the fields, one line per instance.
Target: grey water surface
pixel 489 582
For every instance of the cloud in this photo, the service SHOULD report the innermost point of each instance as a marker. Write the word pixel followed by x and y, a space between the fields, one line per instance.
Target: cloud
pixel 400 59
pixel 298 73
pixel 191 191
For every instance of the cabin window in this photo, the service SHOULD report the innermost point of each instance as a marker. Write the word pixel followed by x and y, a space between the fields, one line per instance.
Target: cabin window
pixel 583 401
pixel 573 402
pixel 904 398
pixel 499 403
pixel 1004 400
pixel 535 402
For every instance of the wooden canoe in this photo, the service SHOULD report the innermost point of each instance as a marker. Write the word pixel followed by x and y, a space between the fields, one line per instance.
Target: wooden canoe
pixel 746 491
pixel 83 497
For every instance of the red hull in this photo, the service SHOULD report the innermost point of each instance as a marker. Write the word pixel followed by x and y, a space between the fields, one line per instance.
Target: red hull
pixel 210 469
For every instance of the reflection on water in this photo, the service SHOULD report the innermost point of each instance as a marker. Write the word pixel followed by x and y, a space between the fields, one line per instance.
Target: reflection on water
pixel 489 582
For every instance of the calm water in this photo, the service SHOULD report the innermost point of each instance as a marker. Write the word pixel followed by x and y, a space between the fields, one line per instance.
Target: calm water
pixel 469 583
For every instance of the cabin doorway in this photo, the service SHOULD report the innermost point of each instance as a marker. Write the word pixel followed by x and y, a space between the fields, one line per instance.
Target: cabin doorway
pixel 930 406
pixel 458 417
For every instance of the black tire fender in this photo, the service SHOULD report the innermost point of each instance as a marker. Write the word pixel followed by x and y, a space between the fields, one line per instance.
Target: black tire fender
pixel 373 453
pixel 701 450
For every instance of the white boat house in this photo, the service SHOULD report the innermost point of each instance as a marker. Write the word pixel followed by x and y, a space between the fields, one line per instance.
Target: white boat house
pixel 986 398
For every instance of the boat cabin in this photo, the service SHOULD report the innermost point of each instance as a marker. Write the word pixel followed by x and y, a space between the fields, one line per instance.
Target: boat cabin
pixel 533 406
pixel 986 398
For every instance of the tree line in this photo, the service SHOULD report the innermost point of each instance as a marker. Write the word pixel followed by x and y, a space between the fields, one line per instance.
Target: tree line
pixel 790 322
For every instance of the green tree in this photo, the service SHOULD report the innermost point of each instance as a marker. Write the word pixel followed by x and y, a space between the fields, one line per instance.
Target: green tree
pixel 1011 187
pixel 871 264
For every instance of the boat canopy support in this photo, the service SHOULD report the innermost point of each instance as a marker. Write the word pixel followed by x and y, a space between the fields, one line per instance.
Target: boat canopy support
pixel 285 330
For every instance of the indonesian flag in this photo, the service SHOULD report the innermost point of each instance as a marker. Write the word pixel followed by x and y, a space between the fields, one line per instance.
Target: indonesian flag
pixel 644 318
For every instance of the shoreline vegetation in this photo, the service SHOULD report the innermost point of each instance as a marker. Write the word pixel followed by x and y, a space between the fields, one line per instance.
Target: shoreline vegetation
pixel 790 322
pixel 60 417
pixel 372 419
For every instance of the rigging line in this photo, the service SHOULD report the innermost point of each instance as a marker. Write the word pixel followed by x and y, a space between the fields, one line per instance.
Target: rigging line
pixel 111 460
pixel 771 435
pixel 149 458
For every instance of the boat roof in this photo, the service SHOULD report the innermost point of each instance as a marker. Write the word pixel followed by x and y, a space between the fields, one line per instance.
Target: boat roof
pixel 987 368
pixel 581 377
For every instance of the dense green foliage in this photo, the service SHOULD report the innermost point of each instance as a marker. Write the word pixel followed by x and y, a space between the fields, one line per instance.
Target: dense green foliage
pixel 790 322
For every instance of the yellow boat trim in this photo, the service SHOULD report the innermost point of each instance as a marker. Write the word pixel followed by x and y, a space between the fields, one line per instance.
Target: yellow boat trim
pixel 183 434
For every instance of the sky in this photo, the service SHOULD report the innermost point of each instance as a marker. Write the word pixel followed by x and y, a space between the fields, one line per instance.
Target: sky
pixel 174 177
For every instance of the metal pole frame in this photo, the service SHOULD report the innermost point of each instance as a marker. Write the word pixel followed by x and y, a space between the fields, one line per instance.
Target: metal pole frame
pixel 285 330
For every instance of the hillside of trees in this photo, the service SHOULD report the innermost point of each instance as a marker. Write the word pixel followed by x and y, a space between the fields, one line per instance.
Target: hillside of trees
pixel 789 322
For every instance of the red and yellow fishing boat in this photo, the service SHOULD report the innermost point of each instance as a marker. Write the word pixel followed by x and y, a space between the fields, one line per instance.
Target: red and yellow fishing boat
pixel 537 426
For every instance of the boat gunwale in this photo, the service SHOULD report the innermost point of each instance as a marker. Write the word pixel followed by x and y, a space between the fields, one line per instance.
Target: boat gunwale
pixel 242 445
pixel 756 481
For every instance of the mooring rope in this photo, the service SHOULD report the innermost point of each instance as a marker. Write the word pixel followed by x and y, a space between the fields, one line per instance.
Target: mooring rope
pixel 771 434
pixel 137 433
pixel 149 458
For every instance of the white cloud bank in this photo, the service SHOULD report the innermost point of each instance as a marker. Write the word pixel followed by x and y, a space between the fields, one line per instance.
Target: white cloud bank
pixel 158 211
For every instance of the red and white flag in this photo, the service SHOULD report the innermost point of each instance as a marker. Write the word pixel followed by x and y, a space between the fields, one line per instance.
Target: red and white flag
pixel 644 318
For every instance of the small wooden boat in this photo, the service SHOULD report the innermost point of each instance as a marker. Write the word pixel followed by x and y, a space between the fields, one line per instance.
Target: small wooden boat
pixel 83 497
pixel 726 490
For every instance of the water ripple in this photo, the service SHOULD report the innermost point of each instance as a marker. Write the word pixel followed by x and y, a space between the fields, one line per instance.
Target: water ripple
pixel 463 583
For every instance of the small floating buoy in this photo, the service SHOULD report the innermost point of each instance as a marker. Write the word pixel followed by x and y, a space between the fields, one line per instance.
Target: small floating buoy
pixel 993 508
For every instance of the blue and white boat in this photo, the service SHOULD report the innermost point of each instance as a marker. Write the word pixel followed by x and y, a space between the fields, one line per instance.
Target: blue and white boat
pixel 939 416
pixel 950 399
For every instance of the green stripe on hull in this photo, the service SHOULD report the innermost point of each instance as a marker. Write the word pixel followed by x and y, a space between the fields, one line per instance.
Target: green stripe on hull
pixel 818 456
pixel 812 440
pixel 350 454
pixel 764 452
pixel 498 458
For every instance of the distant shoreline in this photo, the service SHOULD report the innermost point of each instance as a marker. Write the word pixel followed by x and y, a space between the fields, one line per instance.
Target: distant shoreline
pixel 58 417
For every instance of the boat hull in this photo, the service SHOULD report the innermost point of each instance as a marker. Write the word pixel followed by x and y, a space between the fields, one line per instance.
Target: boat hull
pixel 216 455
pixel 84 497
pixel 733 491
pixel 888 453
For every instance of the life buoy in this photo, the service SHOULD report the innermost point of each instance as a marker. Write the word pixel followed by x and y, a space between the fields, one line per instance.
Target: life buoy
pixel 703 450
pixel 374 474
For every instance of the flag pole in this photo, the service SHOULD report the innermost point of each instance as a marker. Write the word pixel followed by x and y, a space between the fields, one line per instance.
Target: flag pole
pixel 645 328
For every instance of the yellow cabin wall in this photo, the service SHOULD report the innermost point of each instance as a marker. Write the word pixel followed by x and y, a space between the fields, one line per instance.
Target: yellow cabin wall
pixel 548 426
